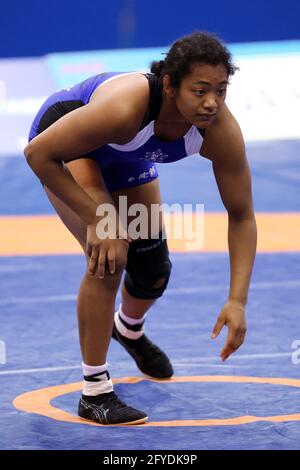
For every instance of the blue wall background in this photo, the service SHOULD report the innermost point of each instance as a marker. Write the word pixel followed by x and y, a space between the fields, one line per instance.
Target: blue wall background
pixel 34 28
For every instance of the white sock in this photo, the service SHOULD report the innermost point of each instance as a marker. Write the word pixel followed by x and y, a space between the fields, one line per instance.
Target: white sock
pixel 126 331
pixel 96 380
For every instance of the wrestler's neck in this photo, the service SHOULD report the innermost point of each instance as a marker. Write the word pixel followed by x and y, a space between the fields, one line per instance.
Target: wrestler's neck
pixel 170 124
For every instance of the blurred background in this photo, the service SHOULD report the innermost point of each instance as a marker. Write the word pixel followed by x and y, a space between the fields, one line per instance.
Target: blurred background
pixel 35 28
pixel 45 46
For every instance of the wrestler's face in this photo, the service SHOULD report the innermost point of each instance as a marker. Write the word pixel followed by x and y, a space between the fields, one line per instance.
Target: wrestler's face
pixel 202 93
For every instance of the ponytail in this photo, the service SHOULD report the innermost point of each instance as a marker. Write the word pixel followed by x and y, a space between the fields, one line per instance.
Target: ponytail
pixel 157 67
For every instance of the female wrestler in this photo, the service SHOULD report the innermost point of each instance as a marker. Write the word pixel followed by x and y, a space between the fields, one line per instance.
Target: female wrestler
pixel 99 140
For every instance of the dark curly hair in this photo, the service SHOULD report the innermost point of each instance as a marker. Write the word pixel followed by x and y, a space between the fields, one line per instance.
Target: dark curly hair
pixel 198 47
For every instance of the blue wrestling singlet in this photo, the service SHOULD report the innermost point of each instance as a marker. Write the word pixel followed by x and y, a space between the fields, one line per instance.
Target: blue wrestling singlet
pixel 130 164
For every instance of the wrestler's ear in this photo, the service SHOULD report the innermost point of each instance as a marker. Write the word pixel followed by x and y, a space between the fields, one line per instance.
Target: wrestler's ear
pixel 168 89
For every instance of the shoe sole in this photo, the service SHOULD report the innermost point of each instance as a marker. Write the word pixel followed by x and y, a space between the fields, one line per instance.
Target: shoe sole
pixel 137 421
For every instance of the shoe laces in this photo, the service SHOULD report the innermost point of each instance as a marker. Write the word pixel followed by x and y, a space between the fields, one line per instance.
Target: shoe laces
pixel 148 347
pixel 112 400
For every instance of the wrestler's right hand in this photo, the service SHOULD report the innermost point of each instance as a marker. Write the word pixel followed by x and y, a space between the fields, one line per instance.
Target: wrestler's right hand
pixel 105 254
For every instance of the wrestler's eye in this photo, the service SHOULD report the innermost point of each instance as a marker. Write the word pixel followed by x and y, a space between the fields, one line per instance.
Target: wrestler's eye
pixel 199 92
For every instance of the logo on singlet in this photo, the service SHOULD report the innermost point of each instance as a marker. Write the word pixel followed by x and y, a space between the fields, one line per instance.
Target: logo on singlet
pixel 68 88
pixel 151 172
pixel 156 156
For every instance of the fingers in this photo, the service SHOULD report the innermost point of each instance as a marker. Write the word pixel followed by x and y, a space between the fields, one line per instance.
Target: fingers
pixel 100 259
pixel 88 250
pixel 93 259
pixel 226 351
pixel 234 340
pixel 111 259
pixel 217 328
pixel 96 261
pixel 101 262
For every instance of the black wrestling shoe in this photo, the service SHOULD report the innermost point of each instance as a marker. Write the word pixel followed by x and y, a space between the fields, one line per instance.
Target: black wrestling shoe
pixel 108 409
pixel 149 358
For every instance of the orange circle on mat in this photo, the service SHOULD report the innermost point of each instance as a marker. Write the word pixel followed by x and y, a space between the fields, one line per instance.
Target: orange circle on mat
pixel 38 401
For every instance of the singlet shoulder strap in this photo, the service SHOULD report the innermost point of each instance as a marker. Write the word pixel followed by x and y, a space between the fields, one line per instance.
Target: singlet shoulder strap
pixel 201 131
pixel 155 99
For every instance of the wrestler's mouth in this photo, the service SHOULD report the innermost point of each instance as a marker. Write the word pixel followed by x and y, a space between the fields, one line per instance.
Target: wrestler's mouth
pixel 206 117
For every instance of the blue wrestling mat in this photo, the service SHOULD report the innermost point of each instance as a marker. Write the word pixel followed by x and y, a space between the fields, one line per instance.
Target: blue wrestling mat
pixel 249 402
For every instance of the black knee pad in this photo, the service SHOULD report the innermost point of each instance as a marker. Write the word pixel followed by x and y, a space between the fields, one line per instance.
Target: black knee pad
pixel 148 261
